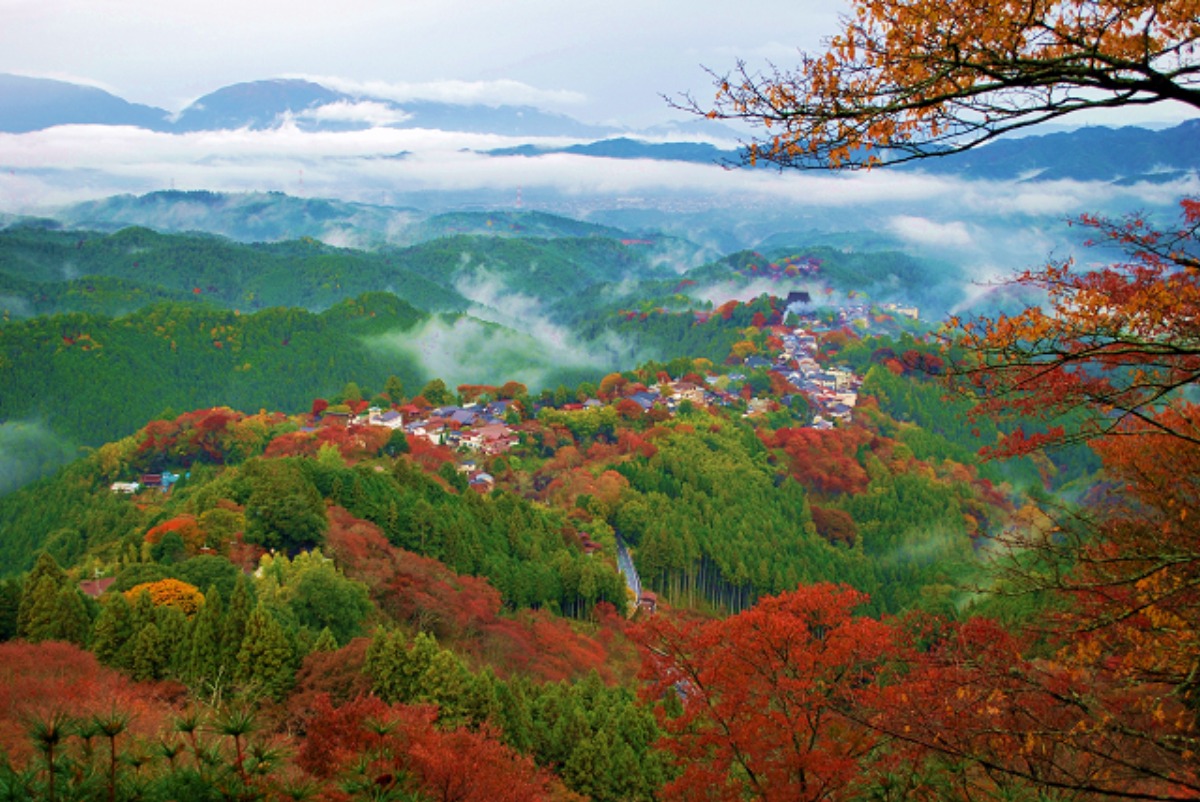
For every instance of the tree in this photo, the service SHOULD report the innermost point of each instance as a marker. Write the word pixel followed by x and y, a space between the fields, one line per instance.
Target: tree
pixel 264 661
pixel 1110 347
pixel 284 510
pixel 393 388
pixel 436 393
pixel 187 598
pixel 911 79
pixel 112 630
pixel 764 695
pixel 36 610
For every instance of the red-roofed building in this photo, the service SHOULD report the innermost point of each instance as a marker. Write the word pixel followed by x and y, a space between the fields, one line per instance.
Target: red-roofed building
pixel 96 587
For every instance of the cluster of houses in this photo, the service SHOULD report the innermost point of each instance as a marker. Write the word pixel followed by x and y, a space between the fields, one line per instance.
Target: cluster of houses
pixel 832 392
pixel 163 481
pixel 474 427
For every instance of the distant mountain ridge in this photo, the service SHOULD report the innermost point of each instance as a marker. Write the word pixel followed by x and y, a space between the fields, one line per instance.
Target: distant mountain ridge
pixel 32 104
pixel 1128 154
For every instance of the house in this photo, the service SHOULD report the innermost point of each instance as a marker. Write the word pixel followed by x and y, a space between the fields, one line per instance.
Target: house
pixel 648 601
pixel 841 411
pixel 464 417
pixel 644 400
pixel 470 439
pixel 498 408
pixel 391 419
pixel 758 406
pixel 96 587
pixel 482 482
pixel 687 391
pixel 124 487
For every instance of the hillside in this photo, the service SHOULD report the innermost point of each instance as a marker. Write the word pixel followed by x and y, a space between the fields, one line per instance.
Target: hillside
pixel 299 273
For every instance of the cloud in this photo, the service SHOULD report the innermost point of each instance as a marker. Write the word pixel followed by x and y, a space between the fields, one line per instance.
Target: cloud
pixel 469 350
pixel 924 231
pixel 369 112
pixel 44 169
pixel 487 93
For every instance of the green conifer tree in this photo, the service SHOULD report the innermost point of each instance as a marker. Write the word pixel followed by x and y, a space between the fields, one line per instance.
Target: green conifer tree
pixel 481 700
pixel 45 568
pixel 386 664
pixel 174 627
pixel 39 608
pixel 444 683
pixel 147 659
pixel 264 661
pixel 233 629
pixel 113 630
pixel 204 646
pixel 325 642
pixel 72 621
pixel 10 604
pixel 589 768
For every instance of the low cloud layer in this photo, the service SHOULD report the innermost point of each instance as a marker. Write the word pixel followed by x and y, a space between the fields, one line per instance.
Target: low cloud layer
pixel 984 227
pixel 486 93
pixel 469 350
pixel 923 231
pixel 77 162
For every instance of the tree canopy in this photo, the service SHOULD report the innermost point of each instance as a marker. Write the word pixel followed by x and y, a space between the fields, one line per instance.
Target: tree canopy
pixel 909 79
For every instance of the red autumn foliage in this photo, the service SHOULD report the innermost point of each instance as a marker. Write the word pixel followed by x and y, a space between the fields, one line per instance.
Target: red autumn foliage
pixel 471 392
pixel 825 461
pixel 630 442
pixel 1113 342
pixel 337 677
pixel 39 679
pixel 455 765
pixel 834 525
pixel 464 612
pixel 429 456
pixel 186 526
pixel 765 696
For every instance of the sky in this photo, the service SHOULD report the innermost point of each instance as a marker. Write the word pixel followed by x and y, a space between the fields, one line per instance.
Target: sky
pixel 608 61
pixel 600 61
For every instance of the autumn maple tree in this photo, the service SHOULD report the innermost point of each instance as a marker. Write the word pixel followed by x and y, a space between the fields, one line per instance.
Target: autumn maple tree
pixel 909 79
pixel 763 696
pixel 1108 351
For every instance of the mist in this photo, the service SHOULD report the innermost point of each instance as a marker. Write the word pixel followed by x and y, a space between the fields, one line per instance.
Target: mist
pixel 29 451
pixel 468 350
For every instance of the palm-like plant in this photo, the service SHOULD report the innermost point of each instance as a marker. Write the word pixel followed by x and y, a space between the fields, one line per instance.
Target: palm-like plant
pixel 48 734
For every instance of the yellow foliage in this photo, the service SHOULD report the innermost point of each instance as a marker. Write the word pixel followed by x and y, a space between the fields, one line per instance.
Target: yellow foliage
pixel 173 592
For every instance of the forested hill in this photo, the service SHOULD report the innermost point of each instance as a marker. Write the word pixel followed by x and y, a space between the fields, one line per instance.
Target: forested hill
pixel 44 270
pixel 39 264
pixel 95 378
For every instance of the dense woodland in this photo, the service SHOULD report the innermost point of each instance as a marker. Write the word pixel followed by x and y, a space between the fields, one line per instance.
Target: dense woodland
pixel 958 591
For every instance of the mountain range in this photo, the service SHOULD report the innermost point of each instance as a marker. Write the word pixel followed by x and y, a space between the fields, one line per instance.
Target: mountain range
pixel 32 104
pixel 1127 154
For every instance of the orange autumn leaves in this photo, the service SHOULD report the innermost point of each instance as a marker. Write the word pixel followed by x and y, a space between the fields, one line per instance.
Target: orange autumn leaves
pixel 1111 348
pixel 904 80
